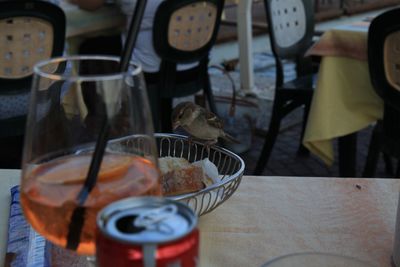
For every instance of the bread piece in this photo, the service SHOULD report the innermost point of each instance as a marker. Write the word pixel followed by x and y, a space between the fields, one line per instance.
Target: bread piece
pixel 178 176
pixel 168 164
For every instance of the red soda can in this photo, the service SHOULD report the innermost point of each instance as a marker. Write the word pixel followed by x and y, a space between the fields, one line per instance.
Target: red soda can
pixel 147 232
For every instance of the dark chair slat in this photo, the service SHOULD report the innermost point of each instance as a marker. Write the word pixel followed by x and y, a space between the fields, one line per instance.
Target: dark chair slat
pixel 383 54
pixel 30 31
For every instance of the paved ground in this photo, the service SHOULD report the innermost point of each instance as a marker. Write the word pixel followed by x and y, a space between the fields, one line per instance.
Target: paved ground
pixel 285 162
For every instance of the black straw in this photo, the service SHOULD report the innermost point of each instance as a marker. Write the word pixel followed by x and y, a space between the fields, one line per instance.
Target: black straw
pixel 77 218
pixel 132 34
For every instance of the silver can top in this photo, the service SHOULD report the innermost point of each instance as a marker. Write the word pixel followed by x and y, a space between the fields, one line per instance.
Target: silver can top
pixel 146 220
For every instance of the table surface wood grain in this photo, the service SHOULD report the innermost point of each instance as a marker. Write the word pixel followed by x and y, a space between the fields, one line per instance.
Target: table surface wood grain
pixel 272 216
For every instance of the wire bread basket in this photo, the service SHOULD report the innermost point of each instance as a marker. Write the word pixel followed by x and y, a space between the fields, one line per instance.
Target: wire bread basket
pixel 230 169
pixel 230 166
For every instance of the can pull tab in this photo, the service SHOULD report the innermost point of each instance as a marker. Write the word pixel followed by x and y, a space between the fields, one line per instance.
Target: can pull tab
pixel 155 216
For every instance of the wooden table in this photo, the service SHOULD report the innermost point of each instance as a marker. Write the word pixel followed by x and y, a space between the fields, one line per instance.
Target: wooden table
pixel 271 216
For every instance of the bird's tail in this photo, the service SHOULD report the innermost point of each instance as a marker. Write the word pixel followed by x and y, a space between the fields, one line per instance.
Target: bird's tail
pixel 230 138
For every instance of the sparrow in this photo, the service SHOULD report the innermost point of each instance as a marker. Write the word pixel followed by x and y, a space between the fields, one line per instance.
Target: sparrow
pixel 199 123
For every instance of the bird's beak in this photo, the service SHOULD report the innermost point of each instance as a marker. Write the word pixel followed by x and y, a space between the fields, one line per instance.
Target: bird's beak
pixel 175 125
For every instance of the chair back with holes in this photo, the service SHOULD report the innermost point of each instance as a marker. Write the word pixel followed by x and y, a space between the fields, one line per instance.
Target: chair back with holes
pixel 291 29
pixel 291 26
pixel 384 56
pixel 30 31
pixel 384 70
pixel 185 30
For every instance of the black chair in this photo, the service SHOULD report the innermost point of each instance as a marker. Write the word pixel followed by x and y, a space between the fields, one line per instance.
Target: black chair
pixel 291 30
pixel 384 70
pixel 184 31
pixel 30 31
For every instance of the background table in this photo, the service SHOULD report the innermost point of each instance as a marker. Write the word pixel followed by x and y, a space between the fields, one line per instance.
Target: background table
pixel 271 216
pixel 84 23
pixel 344 101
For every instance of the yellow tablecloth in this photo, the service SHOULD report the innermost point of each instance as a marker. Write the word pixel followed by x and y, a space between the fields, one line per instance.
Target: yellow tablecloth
pixel 344 101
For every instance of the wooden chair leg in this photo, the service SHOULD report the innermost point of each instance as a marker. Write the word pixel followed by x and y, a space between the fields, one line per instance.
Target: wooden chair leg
pixel 270 139
pixel 373 154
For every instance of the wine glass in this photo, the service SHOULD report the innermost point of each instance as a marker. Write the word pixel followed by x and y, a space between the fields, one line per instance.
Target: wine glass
pixel 72 100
